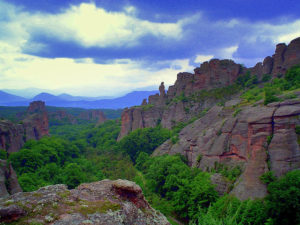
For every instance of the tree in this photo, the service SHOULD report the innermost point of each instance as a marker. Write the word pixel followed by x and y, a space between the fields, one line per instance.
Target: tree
pixel 73 175
pixel 284 199
pixel 143 140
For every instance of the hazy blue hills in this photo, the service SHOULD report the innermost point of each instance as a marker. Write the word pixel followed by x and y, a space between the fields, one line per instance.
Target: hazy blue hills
pixel 5 97
pixel 66 100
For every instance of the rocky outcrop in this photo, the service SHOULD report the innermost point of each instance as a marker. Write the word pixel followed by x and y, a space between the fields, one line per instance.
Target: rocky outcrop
pixel 60 115
pixel 33 127
pixel 284 58
pixel 93 115
pixel 257 139
pixel 165 108
pixel 105 202
pixel 8 180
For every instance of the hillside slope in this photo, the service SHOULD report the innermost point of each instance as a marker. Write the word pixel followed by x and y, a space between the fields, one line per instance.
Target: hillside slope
pixel 226 126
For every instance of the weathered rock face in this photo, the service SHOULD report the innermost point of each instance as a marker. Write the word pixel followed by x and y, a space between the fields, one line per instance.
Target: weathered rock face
pixel 105 202
pixel 284 58
pixel 61 115
pixel 36 107
pixel 8 180
pixel 93 115
pixel 213 74
pixel 33 127
pixel 243 140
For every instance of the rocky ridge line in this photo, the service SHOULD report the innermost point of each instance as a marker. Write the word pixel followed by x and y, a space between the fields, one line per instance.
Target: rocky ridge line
pixel 161 108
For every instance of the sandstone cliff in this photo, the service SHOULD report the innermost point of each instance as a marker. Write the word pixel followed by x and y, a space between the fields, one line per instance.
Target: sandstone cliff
pixel 165 109
pixel 257 138
pixel 93 115
pixel 105 202
pixel 8 180
pixel 33 127
pixel 61 116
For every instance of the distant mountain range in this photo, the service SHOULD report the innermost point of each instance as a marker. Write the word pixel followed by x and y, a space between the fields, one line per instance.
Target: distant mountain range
pixel 66 100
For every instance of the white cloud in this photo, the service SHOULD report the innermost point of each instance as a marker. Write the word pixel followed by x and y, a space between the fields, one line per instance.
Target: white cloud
pixel 89 26
pixel 227 53
pixel 82 76
pixel 203 58
pixel 131 10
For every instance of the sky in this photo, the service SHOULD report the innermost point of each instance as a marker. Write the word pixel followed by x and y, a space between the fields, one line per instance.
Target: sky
pixel 110 47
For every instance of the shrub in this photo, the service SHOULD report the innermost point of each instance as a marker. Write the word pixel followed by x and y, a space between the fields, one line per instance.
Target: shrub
pixel 284 199
pixel 297 129
pixel 229 210
pixel 268 177
pixel 293 77
pixel 3 154
pixel 266 78
pixel 236 112
pixel 270 95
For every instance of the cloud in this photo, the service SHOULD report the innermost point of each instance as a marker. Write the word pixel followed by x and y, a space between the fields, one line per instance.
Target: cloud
pixel 88 50
pixel 81 76
pixel 90 26
pixel 203 58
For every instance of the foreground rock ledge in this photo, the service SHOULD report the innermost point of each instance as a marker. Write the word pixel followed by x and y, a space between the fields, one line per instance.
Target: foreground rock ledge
pixel 105 202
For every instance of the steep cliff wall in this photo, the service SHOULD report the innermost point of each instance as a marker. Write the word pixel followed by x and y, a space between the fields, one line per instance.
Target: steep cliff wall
pixel 8 180
pixel 33 127
pixel 165 109
pixel 63 117
pixel 93 115
pixel 258 139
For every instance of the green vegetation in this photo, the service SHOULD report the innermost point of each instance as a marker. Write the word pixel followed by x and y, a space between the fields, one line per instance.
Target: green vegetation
pixel 236 112
pixel 10 113
pixel 72 159
pixel 253 95
pixel 297 129
pixel 181 189
pixel 270 95
pixel 273 88
pixel 266 78
pixel 216 93
pixel 283 201
pixel 280 207
pixel 268 177
pixel 247 80
pixel 3 154
pixel 231 173
pixel 143 140
pixel 228 210
pixel 98 207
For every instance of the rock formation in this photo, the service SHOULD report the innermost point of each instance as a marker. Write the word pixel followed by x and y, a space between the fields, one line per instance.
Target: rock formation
pixel 33 127
pixel 257 139
pixel 8 180
pixel 93 115
pixel 165 109
pixel 105 202
pixel 60 115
